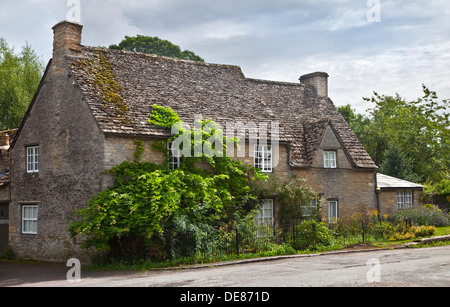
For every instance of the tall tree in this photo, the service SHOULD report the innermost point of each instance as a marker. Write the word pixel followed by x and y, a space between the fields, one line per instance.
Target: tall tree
pixel 155 45
pixel 407 139
pixel 19 79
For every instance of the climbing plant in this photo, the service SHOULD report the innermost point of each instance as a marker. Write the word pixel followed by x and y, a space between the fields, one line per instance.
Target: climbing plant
pixel 149 202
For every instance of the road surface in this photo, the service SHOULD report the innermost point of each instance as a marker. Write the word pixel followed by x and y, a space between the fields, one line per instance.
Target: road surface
pixel 428 267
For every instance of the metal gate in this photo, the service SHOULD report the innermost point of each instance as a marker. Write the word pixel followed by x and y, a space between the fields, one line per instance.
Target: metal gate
pixel 4 228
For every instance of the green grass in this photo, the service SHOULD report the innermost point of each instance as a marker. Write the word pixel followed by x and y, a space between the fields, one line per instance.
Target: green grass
pixel 442 231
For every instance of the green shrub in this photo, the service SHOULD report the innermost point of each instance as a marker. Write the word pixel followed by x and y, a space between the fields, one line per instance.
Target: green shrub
pixel 428 215
pixel 413 232
pixel 309 234
pixel 384 230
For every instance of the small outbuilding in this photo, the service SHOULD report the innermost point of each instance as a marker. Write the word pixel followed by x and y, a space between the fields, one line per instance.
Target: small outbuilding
pixel 395 194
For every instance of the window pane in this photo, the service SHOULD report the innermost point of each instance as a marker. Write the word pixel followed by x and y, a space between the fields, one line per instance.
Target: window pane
pixel 33 159
pixel 29 219
pixel 263 158
pixel 264 216
pixel 333 213
pixel 329 159
pixel 401 199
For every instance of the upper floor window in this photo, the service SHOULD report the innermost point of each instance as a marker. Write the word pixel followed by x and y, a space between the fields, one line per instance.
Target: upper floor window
pixel 404 199
pixel 33 159
pixel 263 158
pixel 329 159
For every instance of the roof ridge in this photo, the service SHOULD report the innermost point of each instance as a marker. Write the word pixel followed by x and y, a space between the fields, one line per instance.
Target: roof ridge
pixel 165 58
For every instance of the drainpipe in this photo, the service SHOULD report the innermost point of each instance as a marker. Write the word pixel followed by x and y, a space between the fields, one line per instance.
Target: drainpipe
pixel 377 194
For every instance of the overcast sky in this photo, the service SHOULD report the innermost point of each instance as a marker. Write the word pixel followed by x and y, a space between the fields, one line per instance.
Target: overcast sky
pixel 387 46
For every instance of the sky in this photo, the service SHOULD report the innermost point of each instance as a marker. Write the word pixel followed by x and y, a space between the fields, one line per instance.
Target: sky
pixel 386 46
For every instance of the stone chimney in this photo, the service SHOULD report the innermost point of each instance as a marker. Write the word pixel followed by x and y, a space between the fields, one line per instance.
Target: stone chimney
pixel 319 80
pixel 66 41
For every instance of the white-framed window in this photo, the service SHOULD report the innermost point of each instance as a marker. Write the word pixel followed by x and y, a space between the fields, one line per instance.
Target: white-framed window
pixel 33 159
pixel 329 159
pixel 265 215
pixel 333 213
pixel 308 209
pixel 404 199
pixel 174 157
pixel 263 158
pixel 29 219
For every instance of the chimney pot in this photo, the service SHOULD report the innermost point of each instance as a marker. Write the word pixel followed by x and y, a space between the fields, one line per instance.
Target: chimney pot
pixel 318 80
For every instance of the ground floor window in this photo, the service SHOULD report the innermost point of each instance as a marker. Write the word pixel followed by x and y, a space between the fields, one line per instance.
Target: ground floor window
pixel 333 210
pixel 308 209
pixel 175 157
pixel 265 214
pixel 29 219
pixel 404 199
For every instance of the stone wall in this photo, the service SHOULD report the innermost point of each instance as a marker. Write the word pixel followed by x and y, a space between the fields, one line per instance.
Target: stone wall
pixel 5 193
pixel 70 167
pixel 122 148
pixel 388 201
pixel 352 188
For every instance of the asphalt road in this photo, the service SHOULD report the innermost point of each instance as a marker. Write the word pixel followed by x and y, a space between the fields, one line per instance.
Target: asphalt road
pixel 426 267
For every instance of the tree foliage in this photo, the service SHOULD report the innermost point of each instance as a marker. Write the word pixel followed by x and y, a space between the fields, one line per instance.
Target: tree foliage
pixel 19 79
pixel 406 139
pixel 155 45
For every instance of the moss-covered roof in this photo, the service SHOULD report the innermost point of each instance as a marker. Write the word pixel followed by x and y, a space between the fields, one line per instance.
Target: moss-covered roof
pixel 121 88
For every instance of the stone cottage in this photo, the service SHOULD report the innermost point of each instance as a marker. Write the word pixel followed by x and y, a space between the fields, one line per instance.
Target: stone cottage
pixel 92 103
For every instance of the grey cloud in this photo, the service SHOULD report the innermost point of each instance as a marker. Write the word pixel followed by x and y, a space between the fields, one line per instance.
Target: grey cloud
pixel 278 40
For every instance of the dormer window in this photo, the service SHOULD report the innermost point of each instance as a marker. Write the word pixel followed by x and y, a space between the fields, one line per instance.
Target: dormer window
pixel 329 159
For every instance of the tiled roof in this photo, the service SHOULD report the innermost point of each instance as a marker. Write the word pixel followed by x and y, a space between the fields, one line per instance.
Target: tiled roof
pixel 121 88
pixel 388 182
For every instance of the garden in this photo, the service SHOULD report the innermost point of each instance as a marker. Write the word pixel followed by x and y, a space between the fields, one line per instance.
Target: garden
pixel 188 244
pixel 155 216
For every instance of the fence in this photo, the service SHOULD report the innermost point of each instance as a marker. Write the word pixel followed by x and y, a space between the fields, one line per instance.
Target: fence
pixel 243 238
pixel 235 240
pixel 255 239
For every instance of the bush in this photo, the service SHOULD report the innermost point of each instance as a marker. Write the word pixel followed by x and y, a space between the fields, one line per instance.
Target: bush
pixel 309 233
pixel 383 230
pixel 413 232
pixel 427 215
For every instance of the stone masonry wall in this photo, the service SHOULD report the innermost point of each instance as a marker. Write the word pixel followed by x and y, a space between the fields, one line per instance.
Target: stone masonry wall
pixel 70 166
pixel 354 189
pixel 119 149
pixel 388 201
